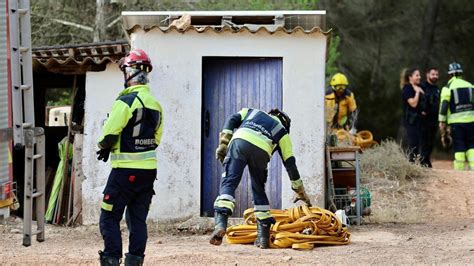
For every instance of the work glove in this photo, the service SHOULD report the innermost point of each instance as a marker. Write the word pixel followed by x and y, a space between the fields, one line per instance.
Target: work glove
pixel 221 151
pixel 103 154
pixel 300 193
pixel 446 139
pixel 353 131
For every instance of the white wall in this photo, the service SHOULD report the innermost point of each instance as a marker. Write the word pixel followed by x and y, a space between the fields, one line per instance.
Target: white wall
pixel 102 88
pixel 176 81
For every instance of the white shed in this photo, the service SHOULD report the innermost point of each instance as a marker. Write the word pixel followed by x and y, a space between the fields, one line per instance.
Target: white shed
pixel 217 64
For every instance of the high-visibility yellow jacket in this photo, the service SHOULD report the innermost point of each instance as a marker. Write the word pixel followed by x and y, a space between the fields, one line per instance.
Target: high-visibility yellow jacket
pixel 266 132
pixel 457 102
pixel 339 108
pixel 133 129
pixel 260 129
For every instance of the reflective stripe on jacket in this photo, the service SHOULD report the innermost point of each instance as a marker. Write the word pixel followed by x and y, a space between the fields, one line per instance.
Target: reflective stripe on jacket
pixel 457 102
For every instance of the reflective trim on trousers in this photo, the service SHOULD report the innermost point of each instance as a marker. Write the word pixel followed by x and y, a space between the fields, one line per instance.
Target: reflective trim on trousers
pixel 224 203
pixel 226 197
pixel 470 158
pixel 262 215
pixel 261 208
pixel 459 159
pixel 107 206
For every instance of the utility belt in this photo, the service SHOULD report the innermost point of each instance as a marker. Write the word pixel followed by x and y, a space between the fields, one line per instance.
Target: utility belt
pixel 411 117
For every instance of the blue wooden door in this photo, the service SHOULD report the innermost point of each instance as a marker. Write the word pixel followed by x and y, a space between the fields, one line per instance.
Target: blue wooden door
pixel 230 84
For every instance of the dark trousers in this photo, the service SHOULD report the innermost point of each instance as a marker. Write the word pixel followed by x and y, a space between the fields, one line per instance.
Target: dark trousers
pixel 131 188
pixel 427 139
pixel 413 138
pixel 240 154
pixel 463 136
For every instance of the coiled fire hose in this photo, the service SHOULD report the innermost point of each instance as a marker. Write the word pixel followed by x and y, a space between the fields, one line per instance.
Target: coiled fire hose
pixel 363 138
pixel 300 228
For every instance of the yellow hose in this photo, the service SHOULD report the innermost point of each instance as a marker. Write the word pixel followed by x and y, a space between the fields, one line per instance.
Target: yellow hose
pixel 363 138
pixel 299 228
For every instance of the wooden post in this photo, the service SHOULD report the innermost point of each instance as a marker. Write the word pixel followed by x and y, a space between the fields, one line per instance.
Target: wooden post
pixel 66 162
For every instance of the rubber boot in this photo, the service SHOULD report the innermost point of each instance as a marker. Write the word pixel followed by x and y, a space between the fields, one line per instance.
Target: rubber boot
pixel 220 227
pixel 132 260
pixel 107 260
pixel 263 234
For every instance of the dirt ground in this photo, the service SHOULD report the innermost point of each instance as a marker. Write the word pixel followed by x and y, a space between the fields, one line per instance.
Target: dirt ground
pixel 446 235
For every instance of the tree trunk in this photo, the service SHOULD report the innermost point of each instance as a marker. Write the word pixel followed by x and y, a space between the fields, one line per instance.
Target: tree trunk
pixel 427 33
pixel 99 27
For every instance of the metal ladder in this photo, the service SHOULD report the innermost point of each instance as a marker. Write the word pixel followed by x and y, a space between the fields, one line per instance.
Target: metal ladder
pixel 25 134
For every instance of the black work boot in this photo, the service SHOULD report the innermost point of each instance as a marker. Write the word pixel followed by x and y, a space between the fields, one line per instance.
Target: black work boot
pixel 263 234
pixel 220 227
pixel 132 260
pixel 107 260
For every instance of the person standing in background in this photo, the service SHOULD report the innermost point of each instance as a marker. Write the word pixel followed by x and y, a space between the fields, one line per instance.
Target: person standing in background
pixel 429 115
pixel 340 104
pixel 457 110
pixel 412 95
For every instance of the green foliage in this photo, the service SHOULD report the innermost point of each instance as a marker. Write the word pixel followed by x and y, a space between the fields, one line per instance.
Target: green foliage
pixel 56 22
pixel 256 5
pixel 333 54
pixel 58 97
pixel 380 38
pixel 45 28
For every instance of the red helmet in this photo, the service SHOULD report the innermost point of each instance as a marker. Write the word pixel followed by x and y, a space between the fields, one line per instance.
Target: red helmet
pixel 136 58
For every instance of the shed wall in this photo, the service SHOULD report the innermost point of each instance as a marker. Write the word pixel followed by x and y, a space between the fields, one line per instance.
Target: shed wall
pixel 176 82
pixel 102 88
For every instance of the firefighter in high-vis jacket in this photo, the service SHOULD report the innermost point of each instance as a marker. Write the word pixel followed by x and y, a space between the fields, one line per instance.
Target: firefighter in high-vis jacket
pixel 130 135
pixel 457 109
pixel 250 137
pixel 341 107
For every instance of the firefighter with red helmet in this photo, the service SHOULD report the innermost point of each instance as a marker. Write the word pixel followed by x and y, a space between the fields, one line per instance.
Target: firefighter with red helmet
pixel 130 136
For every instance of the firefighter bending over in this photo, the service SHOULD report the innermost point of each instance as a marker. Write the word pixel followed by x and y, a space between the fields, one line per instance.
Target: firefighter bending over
pixel 257 136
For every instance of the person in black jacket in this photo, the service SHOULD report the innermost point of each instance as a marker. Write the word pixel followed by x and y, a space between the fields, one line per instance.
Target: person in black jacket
pixel 412 96
pixel 429 119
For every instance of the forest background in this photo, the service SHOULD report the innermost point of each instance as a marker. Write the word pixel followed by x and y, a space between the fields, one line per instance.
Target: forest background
pixel 371 41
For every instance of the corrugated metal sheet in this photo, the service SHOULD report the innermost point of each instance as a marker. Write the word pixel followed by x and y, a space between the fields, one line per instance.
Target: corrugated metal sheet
pixel 289 22
pixel 229 85
pixel 3 91
pixel 227 28
pixel 71 58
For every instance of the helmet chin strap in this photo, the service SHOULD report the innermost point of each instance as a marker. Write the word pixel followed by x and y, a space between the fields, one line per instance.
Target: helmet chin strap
pixel 130 78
